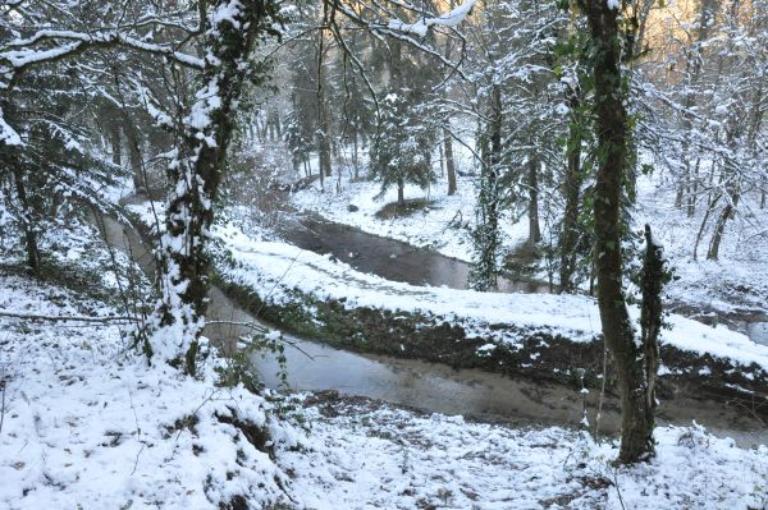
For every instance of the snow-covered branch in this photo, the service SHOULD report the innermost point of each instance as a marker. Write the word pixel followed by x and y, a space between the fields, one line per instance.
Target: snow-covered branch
pixel 450 19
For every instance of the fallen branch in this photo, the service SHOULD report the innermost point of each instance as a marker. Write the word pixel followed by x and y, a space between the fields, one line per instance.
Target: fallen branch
pixel 250 325
pixel 64 318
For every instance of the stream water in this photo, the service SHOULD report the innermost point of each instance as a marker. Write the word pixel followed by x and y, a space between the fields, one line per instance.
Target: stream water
pixel 437 388
pixel 388 258
pixel 402 262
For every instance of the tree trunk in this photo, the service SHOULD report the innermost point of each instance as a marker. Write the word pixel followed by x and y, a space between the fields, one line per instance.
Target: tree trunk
pixel 534 231
pixel 651 316
pixel 693 189
pixel 27 222
pixel 612 131
pixel 324 128
pixel 195 178
pixel 114 140
pixel 355 161
pixel 710 207
pixel 484 274
pixel 713 253
pixel 571 191
pixel 400 192
pixel 450 165
pixel 134 153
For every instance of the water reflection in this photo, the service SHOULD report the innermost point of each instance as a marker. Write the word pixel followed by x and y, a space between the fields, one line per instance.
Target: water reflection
pixel 388 258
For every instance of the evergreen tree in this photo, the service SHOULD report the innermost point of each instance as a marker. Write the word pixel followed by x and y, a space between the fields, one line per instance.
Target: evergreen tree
pixel 400 152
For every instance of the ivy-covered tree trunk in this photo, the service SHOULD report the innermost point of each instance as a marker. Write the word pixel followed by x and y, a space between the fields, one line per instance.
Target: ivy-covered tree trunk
pixel 653 278
pixel 486 236
pixel 612 128
pixel 233 30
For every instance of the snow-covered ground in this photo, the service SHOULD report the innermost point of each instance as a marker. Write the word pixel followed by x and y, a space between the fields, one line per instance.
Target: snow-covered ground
pixel 87 424
pixel 370 457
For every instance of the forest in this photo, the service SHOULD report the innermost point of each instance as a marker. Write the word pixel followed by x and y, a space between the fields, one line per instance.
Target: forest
pixel 384 254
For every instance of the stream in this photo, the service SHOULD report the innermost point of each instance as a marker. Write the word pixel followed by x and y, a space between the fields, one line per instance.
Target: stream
pixel 429 387
pixel 385 257
pixel 399 261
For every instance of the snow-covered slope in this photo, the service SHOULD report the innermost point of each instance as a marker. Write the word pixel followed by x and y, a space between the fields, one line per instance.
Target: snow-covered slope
pixel 441 225
pixel 87 424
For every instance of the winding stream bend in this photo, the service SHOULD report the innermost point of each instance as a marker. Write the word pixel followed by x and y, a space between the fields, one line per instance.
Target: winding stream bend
pixel 399 261
pixel 385 257
pixel 437 388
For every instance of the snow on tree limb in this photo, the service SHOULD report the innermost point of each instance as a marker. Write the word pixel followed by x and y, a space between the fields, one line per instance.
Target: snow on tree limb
pixel 8 135
pixel 450 19
pixel 25 55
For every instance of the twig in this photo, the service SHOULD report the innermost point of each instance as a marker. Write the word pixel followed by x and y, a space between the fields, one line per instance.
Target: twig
pixel 3 383
pixel 251 325
pixel 618 490
pixel 136 462
pixel 65 318
pixel 283 340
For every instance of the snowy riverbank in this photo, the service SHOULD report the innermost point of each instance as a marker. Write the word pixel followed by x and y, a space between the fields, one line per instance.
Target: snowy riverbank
pixel 735 285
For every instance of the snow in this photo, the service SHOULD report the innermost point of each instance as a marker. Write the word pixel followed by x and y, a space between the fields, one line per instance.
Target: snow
pixel 27 55
pixel 366 457
pixel 228 12
pixel 89 425
pixel 8 135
